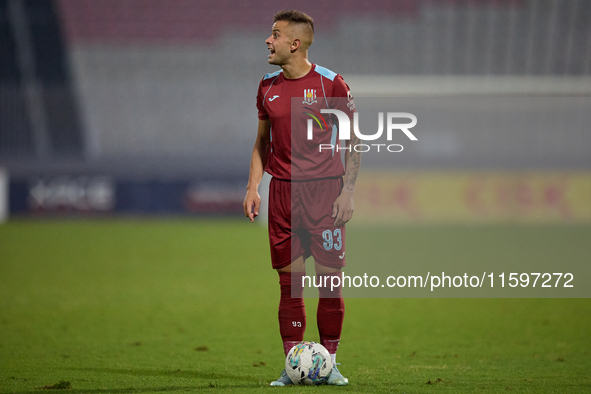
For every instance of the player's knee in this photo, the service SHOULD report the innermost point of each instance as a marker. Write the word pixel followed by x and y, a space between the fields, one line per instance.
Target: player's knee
pixel 330 285
pixel 325 270
pixel 299 265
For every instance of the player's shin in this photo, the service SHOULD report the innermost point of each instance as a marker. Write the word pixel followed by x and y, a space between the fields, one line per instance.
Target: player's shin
pixel 292 313
pixel 330 315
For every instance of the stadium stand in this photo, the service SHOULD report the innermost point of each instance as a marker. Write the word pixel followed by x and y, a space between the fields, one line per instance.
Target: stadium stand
pixel 149 88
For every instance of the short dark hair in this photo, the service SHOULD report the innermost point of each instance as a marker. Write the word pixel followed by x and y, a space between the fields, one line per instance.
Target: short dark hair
pixel 295 17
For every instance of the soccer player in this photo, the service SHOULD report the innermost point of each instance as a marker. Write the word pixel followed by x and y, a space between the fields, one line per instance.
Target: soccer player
pixel 311 193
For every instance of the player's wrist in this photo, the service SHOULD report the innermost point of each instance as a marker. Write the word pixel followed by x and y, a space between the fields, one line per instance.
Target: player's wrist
pixel 252 189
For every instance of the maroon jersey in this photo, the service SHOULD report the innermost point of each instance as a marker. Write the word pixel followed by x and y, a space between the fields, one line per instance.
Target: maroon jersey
pixel 288 104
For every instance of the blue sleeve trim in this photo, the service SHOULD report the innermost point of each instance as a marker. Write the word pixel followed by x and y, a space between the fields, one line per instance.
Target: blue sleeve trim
pixel 271 75
pixel 325 72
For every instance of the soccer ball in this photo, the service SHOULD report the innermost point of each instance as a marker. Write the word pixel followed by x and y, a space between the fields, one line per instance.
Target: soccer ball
pixel 308 363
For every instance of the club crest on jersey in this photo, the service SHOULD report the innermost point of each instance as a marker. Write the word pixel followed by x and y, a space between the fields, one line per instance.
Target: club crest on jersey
pixel 309 96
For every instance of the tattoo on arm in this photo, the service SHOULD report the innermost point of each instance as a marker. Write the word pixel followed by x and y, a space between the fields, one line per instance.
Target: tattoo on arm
pixel 352 162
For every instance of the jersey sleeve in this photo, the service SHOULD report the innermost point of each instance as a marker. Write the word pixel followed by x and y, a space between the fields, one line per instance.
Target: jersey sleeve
pixel 261 103
pixel 342 97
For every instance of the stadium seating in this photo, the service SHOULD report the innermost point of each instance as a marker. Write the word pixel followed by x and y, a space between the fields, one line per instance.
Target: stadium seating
pixel 128 84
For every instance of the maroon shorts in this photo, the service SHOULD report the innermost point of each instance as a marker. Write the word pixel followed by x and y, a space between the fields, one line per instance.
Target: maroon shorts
pixel 301 222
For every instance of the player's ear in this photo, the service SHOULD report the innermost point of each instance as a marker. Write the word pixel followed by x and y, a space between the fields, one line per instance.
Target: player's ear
pixel 295 44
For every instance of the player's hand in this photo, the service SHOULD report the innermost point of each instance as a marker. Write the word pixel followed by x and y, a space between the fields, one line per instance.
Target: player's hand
pixel 342 208
pixel 251 205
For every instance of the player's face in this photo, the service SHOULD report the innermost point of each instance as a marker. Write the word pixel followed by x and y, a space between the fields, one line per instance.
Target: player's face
pixel 279 43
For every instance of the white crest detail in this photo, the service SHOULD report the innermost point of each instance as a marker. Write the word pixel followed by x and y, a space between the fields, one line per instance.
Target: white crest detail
pixel 309 96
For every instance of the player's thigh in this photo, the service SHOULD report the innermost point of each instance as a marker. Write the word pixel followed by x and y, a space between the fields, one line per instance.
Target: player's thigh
pixel 327 242
pixel 286 246
pixel 328 245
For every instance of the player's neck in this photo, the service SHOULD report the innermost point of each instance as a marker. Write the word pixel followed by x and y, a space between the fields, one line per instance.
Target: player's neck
pixel 297 69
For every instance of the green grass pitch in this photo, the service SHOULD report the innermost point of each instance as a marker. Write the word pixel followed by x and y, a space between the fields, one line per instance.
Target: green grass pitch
pixel 125 306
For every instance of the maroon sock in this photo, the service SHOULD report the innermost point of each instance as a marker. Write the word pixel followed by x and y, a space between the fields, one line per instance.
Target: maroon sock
pixel 292 314
pixel 330 315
